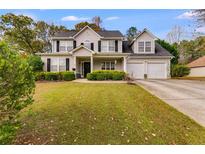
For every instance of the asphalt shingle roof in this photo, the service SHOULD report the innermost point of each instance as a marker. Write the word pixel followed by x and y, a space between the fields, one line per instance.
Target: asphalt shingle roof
pixel 200 62
pixel 104 33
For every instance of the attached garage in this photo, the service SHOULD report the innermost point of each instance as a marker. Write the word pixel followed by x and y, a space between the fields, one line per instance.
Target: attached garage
pixel 136 70
pixel 155 69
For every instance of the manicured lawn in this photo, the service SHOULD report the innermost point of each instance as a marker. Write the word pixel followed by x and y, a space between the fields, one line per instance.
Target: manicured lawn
pixel 79 113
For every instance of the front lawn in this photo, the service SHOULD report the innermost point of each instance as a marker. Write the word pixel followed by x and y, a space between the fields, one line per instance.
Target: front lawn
pixel 79 113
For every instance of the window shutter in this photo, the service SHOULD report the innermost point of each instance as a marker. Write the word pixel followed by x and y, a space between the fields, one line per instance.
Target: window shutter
pixel 74 44
pixel 57 46
pixel 82 43
pixel 48 65
pixel 67 64
pixel 99 46
pixel 116 45
pixel 92 46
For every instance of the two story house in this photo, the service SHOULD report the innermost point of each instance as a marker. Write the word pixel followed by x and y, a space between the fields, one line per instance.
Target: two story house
pixel 87 50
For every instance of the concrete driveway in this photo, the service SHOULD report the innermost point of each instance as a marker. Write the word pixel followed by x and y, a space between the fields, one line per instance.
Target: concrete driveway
pixel 185 95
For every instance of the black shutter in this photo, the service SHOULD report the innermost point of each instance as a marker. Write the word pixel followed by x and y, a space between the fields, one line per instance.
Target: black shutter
pixel 82 43
pixel 116 45
pixel 99 46
pixel 48 65
pixel 67 64
pixel 74 44
pixel 57 46
pixel 92 46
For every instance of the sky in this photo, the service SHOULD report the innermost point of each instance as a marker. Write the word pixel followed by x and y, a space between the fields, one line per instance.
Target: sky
pixel 159 22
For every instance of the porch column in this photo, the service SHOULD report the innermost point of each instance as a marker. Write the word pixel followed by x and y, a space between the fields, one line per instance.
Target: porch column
pixel 91 64
pixel 125 64
pixel 74 62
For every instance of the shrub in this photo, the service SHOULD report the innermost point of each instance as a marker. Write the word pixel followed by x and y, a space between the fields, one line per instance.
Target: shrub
pixel 36 63
pixel 106 75
pixel 17 82
pixel 52 76
pixel 39 76
pixel 179 70
pixel 67 76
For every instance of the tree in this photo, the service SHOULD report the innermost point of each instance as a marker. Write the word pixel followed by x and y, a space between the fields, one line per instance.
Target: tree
pixel 81 25
pixel 18 31
pixel 131 33
pixel 36 63
pixel 200 16
pixel 171 48
pixel 44 31
pixel 16 82
pixel 97 20
pixel 175 35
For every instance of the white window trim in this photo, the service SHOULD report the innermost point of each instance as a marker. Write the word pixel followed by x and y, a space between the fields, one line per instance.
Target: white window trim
pixel 144 47
pixel 107 46
pixel 109 66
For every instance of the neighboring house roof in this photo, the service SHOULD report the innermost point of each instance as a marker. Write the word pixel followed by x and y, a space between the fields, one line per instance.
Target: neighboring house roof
pixel 102 33
pixel 159 50
pixel 200 62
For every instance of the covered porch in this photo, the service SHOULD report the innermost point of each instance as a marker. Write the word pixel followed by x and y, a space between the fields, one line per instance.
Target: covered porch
pixel 87 64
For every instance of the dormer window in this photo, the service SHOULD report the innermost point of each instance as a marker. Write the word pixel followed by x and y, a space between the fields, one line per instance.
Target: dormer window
pixel 144 46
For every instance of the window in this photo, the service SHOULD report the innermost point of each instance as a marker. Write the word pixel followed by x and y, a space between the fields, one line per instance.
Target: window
pixel 103 45
pixel 87 44
pixel 144 46
pixel 148 46
pixel 62 65
pixel 112 45
pixel 108 66
pixel 54 65
pixel 69 45
pixel 141 46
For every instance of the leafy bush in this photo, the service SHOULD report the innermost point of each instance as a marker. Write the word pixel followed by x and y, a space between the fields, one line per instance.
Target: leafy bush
pixel 52 76
pixel 106 75
pixel 17 82
pixel 67 76
pixel 179 70
pixel 39 76
pixel 36 63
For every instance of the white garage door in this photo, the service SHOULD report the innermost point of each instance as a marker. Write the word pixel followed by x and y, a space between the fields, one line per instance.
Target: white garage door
pixel 156 70
pixel 136 70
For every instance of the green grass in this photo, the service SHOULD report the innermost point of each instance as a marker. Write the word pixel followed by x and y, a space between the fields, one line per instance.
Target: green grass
pixel 79 113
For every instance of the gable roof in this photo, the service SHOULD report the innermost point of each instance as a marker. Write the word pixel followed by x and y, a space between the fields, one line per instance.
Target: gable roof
pixel 200 62
pixel 84 29
pixel 101 33
pixel 139 34
pixel 159 50
pixel 80 47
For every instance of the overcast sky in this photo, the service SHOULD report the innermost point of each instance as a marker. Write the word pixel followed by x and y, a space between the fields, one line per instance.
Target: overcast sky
pixel 158 22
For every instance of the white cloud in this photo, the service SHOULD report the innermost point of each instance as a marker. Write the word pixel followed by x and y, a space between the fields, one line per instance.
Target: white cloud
pixel 200 29
pixel 74 18
pixel 186 15
pixel 112 18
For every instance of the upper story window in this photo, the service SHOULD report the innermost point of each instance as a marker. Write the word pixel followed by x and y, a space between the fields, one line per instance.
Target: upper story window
pixel 87 44
pixel 108 45
pixel 62 46
pixel 111 45
pixel 144 46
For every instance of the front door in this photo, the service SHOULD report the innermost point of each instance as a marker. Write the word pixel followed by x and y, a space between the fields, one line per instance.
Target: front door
pixel 86 68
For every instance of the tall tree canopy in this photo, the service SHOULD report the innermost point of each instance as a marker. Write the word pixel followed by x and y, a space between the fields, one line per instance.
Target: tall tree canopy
pixel 26 34
pixel 171 48
pixel 131 33
pixel 97 20
pixel 81 25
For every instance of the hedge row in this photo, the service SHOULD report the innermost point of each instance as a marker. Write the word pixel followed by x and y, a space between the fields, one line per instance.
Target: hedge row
pixel 67 76
pixel 106 75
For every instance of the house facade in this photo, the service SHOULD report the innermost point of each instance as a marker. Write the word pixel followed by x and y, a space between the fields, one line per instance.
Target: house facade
pixel 86 50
